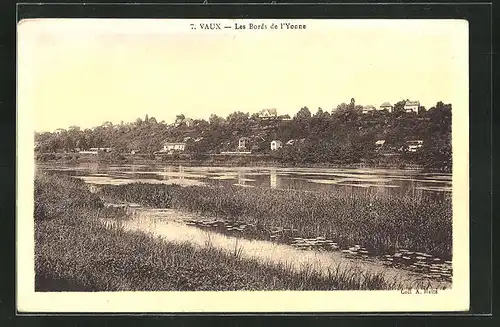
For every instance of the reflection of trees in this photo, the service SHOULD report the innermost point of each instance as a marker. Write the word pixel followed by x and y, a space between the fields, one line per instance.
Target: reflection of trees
pixel 273 177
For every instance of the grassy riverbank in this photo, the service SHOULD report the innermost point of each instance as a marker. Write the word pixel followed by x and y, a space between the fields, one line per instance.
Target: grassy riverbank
pixel 382 224
pixel 75 252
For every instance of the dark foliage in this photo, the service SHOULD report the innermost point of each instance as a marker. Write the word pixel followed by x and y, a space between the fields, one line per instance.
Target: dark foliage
pixel 343 136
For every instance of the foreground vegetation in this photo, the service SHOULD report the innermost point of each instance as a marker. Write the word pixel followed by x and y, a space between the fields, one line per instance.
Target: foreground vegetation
pixel 75 252
pixel 382 224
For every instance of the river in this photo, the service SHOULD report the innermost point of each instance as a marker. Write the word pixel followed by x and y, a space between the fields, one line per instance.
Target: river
pixel 393 182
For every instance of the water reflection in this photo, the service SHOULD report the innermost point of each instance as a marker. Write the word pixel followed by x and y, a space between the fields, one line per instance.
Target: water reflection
pixel 273 178
pixel 390 182
pixel 241 178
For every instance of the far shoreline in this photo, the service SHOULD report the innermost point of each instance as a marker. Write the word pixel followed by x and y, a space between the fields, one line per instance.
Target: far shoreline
pixel 236 161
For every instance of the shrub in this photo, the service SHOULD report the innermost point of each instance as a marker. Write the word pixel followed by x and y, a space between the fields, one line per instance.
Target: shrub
pixel 54 196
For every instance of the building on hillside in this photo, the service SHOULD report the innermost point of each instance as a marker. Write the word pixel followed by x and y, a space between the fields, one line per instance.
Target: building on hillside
pixel 284 117
pixel 368 108
pixel 173 146
pixel 243 143
pixel 293 142
pixel 189 122
pixel 379 145
pixel 134 151
pixel 386 106
pixel 414 145
pixel 412 106
pixel 276 144
pixel 107 149
pixel 87 152
pixel 268 113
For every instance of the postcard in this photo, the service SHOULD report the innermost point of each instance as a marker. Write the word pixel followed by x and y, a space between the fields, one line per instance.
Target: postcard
pixel 242 165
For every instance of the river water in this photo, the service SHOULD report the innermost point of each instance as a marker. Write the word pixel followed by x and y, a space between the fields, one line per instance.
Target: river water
pixel 391 182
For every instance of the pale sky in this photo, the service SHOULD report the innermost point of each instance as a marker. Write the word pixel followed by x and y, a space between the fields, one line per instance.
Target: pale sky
pixel 87 71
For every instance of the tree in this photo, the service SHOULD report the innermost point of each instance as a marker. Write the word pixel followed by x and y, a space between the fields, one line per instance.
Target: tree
pixel 399 106
pixel 215 120
pixel 353 103
pixel 303 113
pixel 179 119
pixel 320 114
pixel 341 108
pixel 238 118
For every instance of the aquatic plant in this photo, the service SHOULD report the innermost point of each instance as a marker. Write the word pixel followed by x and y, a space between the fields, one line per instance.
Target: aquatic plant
pixel 382 223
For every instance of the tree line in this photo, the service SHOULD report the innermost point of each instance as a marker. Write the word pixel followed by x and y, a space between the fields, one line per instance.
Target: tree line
pixel 343 135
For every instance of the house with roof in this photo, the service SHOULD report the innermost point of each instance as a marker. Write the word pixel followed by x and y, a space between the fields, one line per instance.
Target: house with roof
pixel 268 113
pixel 379 145
pixel 386 106
pixel 276 144
pixel 368 108
pixel 242 143
pixel 105 149
pixel 414 145
pixel 173 146
pixel 412 106
pixel 293 142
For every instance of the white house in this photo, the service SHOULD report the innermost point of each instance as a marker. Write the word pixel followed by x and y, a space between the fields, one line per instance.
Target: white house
pixel 242 142
pixel 413 146
pixel 368 108
pixel 276 144
pixel 173 146
pixel 386 106
pixel 380 143
pixel 412 106
pixel 268 113
pixel 87 152
pixel 101 149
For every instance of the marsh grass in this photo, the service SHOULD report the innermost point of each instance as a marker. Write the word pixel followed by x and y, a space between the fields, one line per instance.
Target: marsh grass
pixel 74 251
pixel 382 224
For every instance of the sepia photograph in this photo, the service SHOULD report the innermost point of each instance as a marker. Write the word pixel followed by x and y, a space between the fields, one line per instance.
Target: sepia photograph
pixel 223 165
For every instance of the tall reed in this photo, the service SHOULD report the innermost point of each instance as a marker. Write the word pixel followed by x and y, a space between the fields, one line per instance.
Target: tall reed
pixel 380 223
pixel 74 251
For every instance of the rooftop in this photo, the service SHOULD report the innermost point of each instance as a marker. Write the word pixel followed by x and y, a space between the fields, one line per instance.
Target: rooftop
pixel 412 103
pixel 272 111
